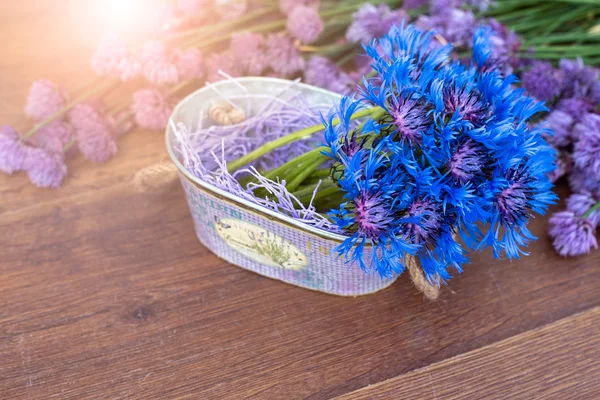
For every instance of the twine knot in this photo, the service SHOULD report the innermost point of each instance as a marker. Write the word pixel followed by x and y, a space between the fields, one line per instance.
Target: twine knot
pixel 223 113
pixel 154 176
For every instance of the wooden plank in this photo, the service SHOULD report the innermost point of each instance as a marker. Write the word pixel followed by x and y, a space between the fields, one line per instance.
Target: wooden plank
pixel 111 293
pixel 557 361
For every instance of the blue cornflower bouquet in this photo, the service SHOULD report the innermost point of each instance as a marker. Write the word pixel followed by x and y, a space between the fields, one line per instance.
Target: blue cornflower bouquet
pixel 431 159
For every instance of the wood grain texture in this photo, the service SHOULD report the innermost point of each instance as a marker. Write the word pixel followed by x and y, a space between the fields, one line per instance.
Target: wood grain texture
pixel 557 361
pixel 105 292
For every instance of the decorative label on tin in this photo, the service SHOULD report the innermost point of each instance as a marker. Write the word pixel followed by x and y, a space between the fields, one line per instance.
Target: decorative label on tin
pixel 260 245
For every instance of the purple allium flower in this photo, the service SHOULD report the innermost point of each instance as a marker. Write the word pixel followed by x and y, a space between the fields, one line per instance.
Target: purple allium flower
pixel 505 47
pixel 371 215
pixel 12 150
pixel 56 133
pixel 371 22
pixel 443 6
pixel 581 203
pixel 44 100
pixel 45 167
pixel 575 107
pixel 189 63
pixel 587 146
pixel 151 109
pixel 95 138
pixel 580 180
pixel 286 6
pixel 284 58
pixel 571 235
pixel 456 26
pixel 429 227
pixel 542 81
pixel 231 9
pixel 579 80
pixel 160 66
pixel 304 24
pixel 187 7
pixel 322 72
pixel 109 54
pixel 248 49
pixel 562 124
pixel 224 61
pixel 411 4
pixel 564 165
pixel 595 94
pixel 467 161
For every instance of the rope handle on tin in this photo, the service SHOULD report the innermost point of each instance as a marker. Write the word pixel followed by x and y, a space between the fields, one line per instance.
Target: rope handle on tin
pixel 224 113
pixel 432 292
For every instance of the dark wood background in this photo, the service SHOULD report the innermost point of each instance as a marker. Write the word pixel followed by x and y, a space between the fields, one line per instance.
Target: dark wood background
pixel 106 293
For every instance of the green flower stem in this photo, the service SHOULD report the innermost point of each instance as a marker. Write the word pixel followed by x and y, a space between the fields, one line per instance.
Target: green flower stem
pixel 293 164
pixel 107 86
pixel 591 210
pixel 305 172
pixel 291 138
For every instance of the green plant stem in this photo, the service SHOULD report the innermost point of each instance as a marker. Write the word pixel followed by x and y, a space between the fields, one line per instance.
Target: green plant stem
pixel 68 106
pixel 305 172
pixel 591 210
pixel 291 138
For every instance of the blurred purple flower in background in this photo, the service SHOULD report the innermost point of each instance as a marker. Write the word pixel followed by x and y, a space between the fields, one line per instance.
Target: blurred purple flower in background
pixel 45 167
pixel 562 124
pixel 579 80
pixel 571 234
pixel 284 58
pixel 56 132
pixel 304 24
pixel 248 48
pixel 371 22
pixel 159 66
pixel 454 25
pixel 542 81
pixel 322 72
pixel 151 109
pixel 190 63
pixel 12 150
pixel 575 107
pixel 44 100
pixel 224 61
pixel 580 203
pixel 586 154
pixel 95 138
pixel 286 6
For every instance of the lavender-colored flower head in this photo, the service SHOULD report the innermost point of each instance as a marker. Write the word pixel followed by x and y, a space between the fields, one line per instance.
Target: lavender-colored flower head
pixel 44 100
pixel 542 81
pixel 112 57
pixel 575 107
pixel 581 180
pixel 286 6
pixel 304 24
pixel 581 203
pixel 231 9
pixel 595 94
pixel 443 6
pixel 579 79
pixel 284 58
pixel 571 235
pixel 561 124
pixel 159 65
pixel 190 7
pixel 12 150
pixel 45 167
pixel 505 48
pixel 224 61
pixel 248 48
pixel 151 109
pixel 587 147
pixel 322 72
pixel 412 4
pixel 190 63
pixel 564 165
pixel 456 26
pixel 56 133
pixel 371 22
pixel 95 138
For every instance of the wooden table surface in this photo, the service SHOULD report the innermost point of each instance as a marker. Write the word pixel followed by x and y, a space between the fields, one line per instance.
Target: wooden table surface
pixel 106 293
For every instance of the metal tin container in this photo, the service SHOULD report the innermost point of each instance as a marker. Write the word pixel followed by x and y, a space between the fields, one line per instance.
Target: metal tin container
pixel 256 238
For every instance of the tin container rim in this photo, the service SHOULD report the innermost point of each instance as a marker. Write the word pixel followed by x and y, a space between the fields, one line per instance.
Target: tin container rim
pixel 236 200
